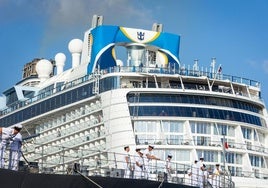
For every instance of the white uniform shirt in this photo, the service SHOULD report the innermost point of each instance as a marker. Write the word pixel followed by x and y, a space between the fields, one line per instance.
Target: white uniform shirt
pixel 145 153
pixel 217 172
pixel 140 160
pixel 15 145
pixel 129 158
pixel 7 135
pixel 200 163
pixel 168 166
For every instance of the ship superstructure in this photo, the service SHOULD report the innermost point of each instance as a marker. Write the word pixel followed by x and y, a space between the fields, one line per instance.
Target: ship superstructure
pixel 89 112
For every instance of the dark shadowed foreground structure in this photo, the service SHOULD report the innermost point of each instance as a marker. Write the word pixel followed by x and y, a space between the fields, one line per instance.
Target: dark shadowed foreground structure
pixel 13 179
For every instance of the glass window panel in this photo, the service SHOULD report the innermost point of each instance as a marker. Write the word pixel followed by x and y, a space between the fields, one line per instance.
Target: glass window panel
pixel 238 159
pixel 192 127
pixel 166 126
pixel 206 154
pixel 231 131
pixel 182 155
pixel 175 127
pixel 151 127
pixel 151 139
pixel 175 139
pixel 141 139
pixel 215 130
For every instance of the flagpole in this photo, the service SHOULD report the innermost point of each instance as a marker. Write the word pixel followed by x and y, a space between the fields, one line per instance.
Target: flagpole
pixel 226 169
pixel 224 152
pixel 224 158
pixel 215 76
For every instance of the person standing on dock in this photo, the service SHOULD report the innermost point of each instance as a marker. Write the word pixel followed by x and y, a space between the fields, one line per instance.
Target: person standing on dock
pixel 7 135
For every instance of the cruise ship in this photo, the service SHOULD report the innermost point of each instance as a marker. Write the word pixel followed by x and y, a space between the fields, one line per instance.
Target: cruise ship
pixel 127 86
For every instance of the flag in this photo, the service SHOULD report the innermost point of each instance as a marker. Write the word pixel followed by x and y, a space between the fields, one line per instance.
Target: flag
pixel 226 146
pixel 220 69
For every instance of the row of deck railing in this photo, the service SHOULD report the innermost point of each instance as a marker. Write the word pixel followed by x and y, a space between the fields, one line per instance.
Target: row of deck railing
pixel 115 167
pixel 54 155
pixel 199 142
pixel 169 71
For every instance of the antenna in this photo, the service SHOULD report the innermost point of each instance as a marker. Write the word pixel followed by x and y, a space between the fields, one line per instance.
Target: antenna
pixel 213 63
pixel 157 27
pixel 96 21
pixel 195 66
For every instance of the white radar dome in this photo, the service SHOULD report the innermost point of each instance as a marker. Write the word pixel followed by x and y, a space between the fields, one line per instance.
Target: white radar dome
pixel 75 46
pixel 44 68
pixel 60 57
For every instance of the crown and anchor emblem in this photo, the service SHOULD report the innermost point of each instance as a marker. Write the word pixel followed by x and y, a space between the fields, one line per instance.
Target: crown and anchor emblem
pixel 140 35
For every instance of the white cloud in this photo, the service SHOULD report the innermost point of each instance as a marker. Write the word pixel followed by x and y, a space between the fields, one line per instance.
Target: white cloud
pixel 62 20
pixel 77 12
pixel 58 15
pixel 70 18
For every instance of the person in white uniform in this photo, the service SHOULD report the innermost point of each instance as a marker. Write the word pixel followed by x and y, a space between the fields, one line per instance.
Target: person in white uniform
pixel 167 173
pixel 148 158
pixel 200 162
pixel 128 163
pixel 7 134
pixel 15 152
pixel 203 177
pixel 216 177
pixel 139 165
pixel 193 172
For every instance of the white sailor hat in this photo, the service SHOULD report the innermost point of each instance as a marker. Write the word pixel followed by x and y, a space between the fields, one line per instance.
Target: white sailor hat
pixel 18 126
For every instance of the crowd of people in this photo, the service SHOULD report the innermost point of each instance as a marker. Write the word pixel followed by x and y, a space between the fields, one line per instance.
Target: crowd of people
pixel 10 139
pixel 202 177
pixel 138 167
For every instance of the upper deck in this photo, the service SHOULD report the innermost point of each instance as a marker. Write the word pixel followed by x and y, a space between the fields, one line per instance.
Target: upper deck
pixel 131 77
pixel 152 61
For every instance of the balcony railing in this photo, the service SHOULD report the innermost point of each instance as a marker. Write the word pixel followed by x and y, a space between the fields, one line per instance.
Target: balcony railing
pixel 167 71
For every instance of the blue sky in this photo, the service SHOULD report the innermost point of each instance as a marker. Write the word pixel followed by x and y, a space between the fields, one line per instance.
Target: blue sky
pixel 233 31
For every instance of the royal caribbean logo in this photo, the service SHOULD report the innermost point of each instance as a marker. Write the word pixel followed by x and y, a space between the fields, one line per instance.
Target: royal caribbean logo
pixel 140 35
